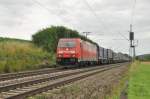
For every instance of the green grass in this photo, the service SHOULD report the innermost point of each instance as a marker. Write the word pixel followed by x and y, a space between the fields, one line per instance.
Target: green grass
pixel 121 87
pixel 18 55
pixel 139 82
pixel 145 57
pixel 2 39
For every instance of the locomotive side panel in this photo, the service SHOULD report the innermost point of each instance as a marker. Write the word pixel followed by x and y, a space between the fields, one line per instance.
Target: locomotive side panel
pixel 89 52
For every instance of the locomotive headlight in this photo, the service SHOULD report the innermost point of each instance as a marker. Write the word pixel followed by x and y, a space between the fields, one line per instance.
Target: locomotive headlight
pixel 73 55
pixel 60 52
pixel 72 52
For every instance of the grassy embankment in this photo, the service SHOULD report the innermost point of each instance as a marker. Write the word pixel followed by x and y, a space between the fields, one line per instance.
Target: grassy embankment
pixel 144 57
pixel 18 55
pixel 121 86
pixel 139 82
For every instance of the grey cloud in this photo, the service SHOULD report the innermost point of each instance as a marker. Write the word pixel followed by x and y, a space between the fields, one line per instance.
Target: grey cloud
pixel 22 18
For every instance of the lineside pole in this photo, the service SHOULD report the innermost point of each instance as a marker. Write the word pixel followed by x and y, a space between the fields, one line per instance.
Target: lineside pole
pixel 132 45
pixel 86 34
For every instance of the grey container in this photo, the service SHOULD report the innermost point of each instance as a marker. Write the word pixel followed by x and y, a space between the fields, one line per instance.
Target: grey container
pixel 110 54
pixel 101 55
pixel 105 56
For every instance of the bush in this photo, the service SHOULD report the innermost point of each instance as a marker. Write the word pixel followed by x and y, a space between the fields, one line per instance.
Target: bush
pixel 48 38
pixel 17 56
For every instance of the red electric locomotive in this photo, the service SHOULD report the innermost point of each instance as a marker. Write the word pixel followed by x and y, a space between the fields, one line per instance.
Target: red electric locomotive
pixel 76 51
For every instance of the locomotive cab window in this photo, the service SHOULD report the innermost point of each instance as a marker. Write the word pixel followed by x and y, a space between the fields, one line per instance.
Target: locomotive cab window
pixel 67 44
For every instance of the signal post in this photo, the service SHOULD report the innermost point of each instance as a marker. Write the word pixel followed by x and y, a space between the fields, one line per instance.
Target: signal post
pixel 132 46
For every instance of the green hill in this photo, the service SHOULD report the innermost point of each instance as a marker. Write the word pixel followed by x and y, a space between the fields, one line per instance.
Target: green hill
pixel 2 39
pixel 18 55
pixel 145 57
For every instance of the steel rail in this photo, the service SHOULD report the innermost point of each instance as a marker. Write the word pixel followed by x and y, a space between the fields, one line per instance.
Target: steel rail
pixel 9 76
pixel 57 75
pixel 66 79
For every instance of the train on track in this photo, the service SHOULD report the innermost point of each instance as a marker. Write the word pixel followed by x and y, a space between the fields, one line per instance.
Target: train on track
pixel 74 51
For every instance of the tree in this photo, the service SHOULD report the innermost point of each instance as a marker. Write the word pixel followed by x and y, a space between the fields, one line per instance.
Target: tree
pixel 48 38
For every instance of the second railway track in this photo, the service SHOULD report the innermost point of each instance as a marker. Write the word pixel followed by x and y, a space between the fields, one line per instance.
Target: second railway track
pixel 9 76
pixel 34 85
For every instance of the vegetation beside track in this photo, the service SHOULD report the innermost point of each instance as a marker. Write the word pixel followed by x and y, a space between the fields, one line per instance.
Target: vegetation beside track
pixel 120 90
pixel 145 57
pixel 139 82
pixel 18 55
pixel 4 39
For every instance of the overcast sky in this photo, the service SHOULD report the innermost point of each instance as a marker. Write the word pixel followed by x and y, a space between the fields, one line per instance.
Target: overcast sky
pixel 107 20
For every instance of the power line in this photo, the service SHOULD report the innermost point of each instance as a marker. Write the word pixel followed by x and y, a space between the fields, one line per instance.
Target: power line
pixel 86 34
pixel 91 9
pixel 62 18
pixel 41 5
pixel 124 36
pixel 95 14
pixel 46 8
pixel 132 45
pixel 133 11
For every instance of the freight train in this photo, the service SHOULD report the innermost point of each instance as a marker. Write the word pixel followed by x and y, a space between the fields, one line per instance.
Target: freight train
pixel 74 51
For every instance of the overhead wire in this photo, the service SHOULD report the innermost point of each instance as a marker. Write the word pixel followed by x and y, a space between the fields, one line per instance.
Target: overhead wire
pixel 91 9
pixel 131 24
pixel 59 16
pixel 41 5
pixel 124 36
pixel 44 7
pixel 95 14
pixel 133 12
pixel 49 10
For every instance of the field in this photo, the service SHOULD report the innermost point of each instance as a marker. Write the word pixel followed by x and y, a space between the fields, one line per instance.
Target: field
pixel 139 82
pixel 145 57
pixel 19 55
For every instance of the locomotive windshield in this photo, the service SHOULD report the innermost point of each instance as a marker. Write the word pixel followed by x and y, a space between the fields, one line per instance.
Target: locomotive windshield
pixel 67 44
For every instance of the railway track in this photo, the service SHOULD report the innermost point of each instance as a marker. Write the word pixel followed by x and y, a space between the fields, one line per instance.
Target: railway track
pixel 28 86
pixel 9 76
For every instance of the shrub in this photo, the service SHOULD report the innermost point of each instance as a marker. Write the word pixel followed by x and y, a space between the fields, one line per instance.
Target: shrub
pixel 17 56
pixel 48 38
